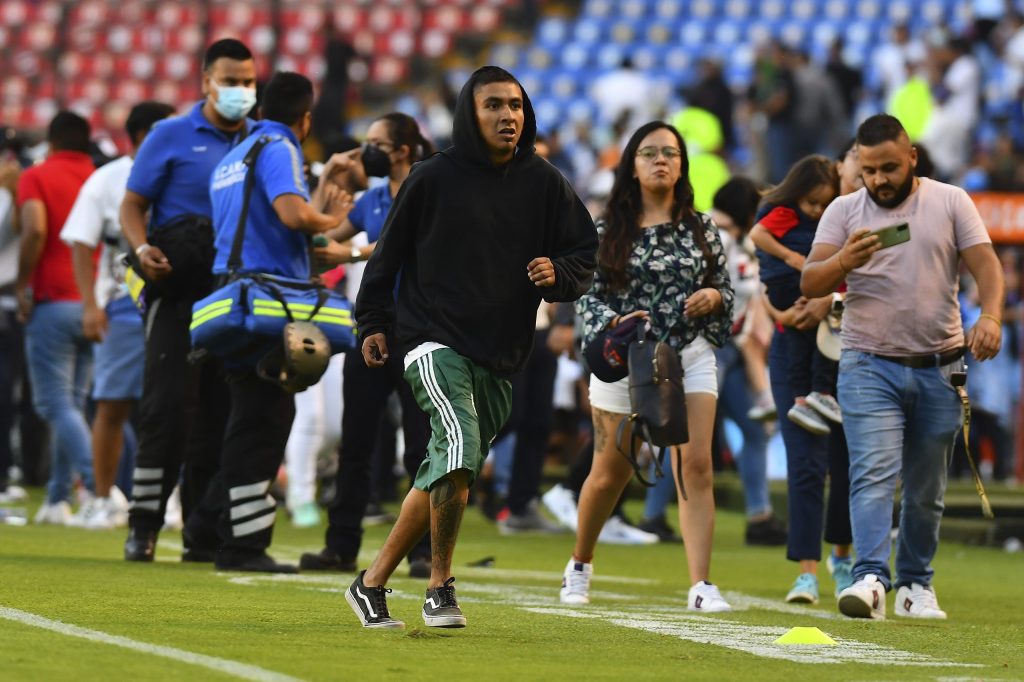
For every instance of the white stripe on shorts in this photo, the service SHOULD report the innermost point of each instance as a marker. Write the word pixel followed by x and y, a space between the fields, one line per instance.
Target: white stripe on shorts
pixel 453 431
pixel 459 440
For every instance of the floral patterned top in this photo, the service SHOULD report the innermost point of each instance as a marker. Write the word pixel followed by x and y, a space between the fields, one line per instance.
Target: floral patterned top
pixel 665 268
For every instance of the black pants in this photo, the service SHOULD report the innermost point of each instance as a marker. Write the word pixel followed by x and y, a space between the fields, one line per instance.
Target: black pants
pixel 807 368
pixel 532 394
pixel 181 418
pixel 365 393
pixel 837 511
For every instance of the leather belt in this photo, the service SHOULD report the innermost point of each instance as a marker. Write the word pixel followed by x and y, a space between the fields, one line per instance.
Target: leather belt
pixel 924 361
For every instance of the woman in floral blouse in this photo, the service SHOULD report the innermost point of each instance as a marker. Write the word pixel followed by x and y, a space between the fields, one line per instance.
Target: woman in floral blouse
pixel 662 261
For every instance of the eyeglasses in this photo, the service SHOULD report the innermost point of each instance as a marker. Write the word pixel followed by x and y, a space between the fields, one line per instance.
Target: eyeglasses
pixel 651 153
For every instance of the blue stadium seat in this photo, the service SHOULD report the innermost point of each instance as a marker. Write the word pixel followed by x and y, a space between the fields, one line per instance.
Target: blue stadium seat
pixel 539 57
pixel 706 9
pixel 633 9
pixel 648 58
pixel 902 11
pixel 694 32
pixel 624 32
pixel 868 9
pixel 599 8
pixel 772 10
pixel 565 83
pixel 680 58
pixel 658 31
pixel 591 30
pixel 728 33
pixel 609 56
pixel 669 10
pixel 506 55
pixel 835 10
pixel 553 31
pixel 548 110
pixel 795 33
pixel 806 10
pixel 576 56
pixel 738 9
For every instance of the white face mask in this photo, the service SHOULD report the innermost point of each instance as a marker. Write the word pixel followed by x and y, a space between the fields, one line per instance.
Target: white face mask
pixel 234 102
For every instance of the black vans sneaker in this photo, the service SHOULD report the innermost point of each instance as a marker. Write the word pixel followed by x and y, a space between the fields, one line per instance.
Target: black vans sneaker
pixel 440 610
pixel 370 604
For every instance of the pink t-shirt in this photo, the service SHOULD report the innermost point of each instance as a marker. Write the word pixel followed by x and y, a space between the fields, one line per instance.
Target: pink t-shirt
pixel 904 300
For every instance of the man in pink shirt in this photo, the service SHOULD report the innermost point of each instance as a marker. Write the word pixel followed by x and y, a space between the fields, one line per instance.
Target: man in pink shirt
pixel 903 340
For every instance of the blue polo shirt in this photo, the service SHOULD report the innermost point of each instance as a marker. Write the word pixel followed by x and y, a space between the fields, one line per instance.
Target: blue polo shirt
pixel 173 166
pixel 269 245
pixel 370 212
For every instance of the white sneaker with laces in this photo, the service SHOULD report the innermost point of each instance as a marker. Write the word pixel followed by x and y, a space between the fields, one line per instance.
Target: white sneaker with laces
pixel 118 506
pixel 14 493
pixel 865 598
pixel 618 532
pixel 705 597
pixel 918 601
pixel 91 508
pixel 562 505
pixel 100 516
pixel 58 514
pixel 826 406
pixel 576 583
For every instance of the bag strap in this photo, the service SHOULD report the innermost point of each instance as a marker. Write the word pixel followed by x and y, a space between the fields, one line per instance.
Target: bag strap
pixel 959 382
pixel 235 259
pixel 275 293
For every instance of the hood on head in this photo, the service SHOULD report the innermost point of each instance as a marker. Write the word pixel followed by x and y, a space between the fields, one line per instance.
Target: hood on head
pixel 466 136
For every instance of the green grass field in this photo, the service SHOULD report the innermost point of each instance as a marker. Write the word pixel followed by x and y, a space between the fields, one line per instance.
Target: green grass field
pixel 71 609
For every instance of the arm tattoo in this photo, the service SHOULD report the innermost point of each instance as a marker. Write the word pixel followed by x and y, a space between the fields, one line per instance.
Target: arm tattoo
pixel 443 491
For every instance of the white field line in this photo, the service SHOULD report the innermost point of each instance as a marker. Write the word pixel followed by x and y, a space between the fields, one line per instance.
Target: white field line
pixel 757 639
pixel 244 671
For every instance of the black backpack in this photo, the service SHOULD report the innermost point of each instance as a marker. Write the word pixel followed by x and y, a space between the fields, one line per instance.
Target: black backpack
pixel 658 404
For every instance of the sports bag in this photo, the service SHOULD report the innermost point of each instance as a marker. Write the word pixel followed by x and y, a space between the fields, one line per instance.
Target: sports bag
pixel 244 319
pixel 658 404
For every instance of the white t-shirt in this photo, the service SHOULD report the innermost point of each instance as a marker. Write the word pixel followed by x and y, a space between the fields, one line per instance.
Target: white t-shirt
pixel 904 300
pixel 95 217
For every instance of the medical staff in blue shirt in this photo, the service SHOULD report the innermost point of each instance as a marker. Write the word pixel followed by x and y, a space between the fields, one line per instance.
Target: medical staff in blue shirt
pixel 183 407
pixel 276 241
pixel 393 144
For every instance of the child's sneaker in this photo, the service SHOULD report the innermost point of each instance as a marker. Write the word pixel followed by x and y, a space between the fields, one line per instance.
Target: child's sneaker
pixel 441 610
pixel 370 604
pixel 705 597
pixel 805 590
pixel 807 418
pixel 763 410
pixel 841 570
pixel 826 406
pixel 918 601
pixel 576 583
pixel 864 599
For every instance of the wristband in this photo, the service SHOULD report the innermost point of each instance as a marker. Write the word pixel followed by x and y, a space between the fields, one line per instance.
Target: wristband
pixel 142 249
pixel 991 317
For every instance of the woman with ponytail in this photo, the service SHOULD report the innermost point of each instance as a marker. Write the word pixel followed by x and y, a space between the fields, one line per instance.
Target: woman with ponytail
pixel 662 262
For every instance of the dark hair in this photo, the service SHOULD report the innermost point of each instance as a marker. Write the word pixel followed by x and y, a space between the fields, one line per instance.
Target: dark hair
pixel 226 47
pixel 846 149
pixel 806 174
pixel 486 75
pixel 287 98
pixel 925 166
pixel 404 130
pixel 69 132
pixel 622 214
pixel 144 116
pixel 738 199
pixel 878 129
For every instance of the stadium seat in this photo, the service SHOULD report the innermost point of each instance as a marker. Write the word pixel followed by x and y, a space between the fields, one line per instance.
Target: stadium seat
pixel 609 56
pixel 739 9
pixel 632 9
pixel 599 8
pixel 669 10
pixel 694 32
pixel 772 9
pixel 590 30
pixel 575 56
pixel 552 31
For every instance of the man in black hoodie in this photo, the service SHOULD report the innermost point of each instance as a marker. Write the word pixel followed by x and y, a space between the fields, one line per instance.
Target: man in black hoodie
pixel 480 232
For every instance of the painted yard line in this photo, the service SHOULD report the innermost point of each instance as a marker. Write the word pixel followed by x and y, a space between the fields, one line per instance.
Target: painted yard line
pixel 758 639
pixel 744 602
pixel 222 665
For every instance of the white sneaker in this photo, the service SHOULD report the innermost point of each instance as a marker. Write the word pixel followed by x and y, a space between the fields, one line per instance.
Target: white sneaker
pixel 14 493
pixel 618 532
pixel 118 506
pixel 58 514
pixel 864 599
pixel 825 405
pixel 89 513
pixel 918 601
pixel 172 515
pixel 101 516
pixel 705 597
pixel 562 505
pixel 576 583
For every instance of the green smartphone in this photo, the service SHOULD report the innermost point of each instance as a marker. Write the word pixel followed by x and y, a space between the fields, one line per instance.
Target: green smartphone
pixel 892 235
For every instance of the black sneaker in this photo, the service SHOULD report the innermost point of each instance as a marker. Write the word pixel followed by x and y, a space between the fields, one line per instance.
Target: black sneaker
pixel 440 610
pixel 199 555
pixel 252 562
pixel 326 560
pixel 770 532
pixel 659 526
pixel 140 545
pixel 371 604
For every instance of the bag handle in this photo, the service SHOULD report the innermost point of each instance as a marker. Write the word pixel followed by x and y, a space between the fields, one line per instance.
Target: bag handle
pixel 275 293
pixel 235 259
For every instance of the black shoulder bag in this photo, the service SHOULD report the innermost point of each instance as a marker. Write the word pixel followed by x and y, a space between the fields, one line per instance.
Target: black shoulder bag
pixel 658 405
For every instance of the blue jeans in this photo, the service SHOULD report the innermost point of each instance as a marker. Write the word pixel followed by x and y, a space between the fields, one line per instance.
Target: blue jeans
pixel 60 367
pixel 734 401
pixel 900 422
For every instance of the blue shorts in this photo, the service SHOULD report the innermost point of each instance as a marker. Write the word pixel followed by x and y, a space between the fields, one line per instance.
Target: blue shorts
pixel 119 361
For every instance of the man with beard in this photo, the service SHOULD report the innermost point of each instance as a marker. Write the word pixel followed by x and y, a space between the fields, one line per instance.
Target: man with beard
pixel 903 340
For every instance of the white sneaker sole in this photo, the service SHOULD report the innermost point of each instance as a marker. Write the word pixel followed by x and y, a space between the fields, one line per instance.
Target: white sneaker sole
pixel 801 598
pixel 444 621
pixel 390 625
pixel 710 609
pixel 855 607
pixel 574 599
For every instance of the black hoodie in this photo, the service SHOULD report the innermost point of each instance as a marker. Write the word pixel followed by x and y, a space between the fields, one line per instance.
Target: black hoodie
pixel 461 232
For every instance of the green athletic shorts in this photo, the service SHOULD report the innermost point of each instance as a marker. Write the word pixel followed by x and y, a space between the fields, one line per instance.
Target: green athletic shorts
pixel 467 406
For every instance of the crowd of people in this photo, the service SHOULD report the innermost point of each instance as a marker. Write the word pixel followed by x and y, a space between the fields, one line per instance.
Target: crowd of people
pixel 488 292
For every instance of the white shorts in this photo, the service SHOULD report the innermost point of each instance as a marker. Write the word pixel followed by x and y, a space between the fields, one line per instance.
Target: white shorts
pixel 700 372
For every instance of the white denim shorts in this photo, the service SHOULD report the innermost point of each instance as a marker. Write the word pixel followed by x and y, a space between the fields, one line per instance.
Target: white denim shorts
pixel 700 375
